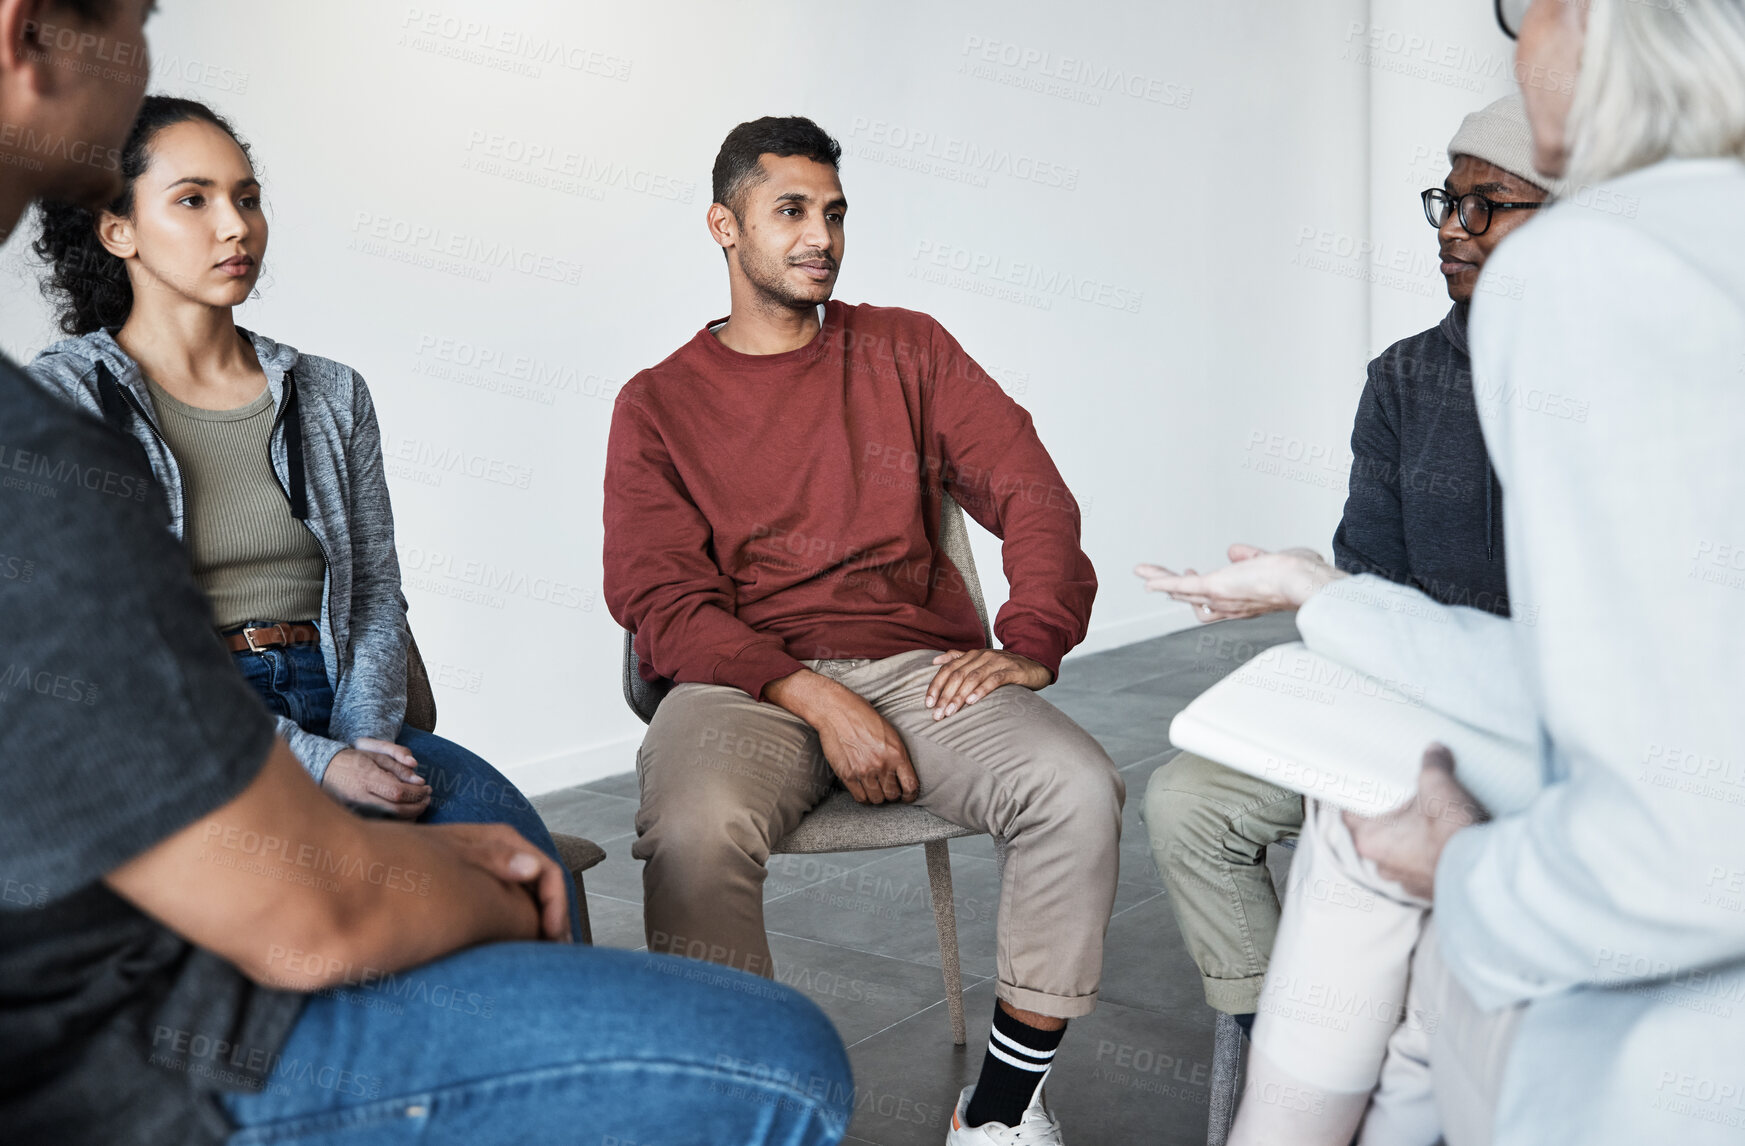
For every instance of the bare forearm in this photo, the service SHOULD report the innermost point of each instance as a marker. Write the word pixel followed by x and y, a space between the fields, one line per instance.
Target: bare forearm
pixel 297 891
pixel 418 901
pixel 804 693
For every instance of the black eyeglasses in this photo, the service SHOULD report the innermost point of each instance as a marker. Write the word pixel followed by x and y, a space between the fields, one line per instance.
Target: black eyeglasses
pixel 1475 210
pixel 1509 15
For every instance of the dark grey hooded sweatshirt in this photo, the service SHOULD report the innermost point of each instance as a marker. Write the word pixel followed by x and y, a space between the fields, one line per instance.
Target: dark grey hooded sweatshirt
pixel 1424 507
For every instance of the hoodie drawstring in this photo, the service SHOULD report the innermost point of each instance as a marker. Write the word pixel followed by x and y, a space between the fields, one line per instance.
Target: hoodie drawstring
pixel 1490 497
pixel 117 413
pixel 110 399
pixel 294 451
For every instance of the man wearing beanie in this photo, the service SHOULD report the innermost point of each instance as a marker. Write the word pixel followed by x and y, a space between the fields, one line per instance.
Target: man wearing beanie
pixel 1423 509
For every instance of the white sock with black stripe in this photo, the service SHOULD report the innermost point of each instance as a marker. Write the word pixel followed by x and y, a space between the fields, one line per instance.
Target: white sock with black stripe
pixel 1019 1057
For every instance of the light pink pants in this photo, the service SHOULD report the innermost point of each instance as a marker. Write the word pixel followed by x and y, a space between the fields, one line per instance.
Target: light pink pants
pixel 1361 1028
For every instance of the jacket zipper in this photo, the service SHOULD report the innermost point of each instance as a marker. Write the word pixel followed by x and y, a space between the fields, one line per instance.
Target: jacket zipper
pixel 284 485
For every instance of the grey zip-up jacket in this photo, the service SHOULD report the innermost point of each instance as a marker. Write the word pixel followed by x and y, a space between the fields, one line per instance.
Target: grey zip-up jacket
pixel 363 612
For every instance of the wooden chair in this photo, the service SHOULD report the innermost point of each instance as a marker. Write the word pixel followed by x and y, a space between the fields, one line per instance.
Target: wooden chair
pixel 840 824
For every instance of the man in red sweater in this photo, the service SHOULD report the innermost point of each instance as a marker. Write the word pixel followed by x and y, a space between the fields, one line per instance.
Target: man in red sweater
pixel 772 538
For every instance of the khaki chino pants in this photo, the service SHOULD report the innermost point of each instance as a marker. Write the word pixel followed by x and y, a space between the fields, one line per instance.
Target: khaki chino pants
pixel 1210 827
pixel 724 777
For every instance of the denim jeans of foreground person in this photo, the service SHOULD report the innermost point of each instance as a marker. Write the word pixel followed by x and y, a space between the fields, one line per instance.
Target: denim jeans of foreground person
pixel 292 681
pixel 541 1042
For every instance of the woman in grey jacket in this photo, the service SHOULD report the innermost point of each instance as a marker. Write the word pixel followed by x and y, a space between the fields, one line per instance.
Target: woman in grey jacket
pixel 270 460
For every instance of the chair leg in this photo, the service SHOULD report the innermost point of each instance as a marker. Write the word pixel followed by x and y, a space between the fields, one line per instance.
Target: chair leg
pixel 582 910
pixel 1226 1079
pixel 945 915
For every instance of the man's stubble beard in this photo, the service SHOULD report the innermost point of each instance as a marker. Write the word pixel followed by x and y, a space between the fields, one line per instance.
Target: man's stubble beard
pixel 766 276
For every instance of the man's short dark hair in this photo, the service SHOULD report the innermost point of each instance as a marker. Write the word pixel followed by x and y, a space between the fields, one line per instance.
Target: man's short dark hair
pixel 90 11
pixel 736 166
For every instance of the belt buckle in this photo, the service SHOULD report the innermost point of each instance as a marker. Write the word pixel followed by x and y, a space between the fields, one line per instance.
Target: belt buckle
pixel 283 631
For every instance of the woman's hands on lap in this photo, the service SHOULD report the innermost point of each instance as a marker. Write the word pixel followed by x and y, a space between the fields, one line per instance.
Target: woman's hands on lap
pixel 378 774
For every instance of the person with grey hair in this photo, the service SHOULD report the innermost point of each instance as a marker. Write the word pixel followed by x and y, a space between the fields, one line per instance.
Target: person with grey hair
pixel 1586 966
pixel 1422 510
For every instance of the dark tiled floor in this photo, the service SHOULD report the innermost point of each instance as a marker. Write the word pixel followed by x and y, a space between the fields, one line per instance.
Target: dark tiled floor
pixel 855 931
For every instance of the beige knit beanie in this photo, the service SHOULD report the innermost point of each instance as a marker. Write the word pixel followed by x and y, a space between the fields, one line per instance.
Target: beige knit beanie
pixel 1499 135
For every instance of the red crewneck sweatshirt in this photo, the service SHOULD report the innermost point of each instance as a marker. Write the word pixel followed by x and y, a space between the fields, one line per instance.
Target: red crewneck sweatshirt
pixel 764 509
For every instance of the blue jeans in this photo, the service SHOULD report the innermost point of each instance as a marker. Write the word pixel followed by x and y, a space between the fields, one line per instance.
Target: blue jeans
pixel 292 681
pixel 541 1042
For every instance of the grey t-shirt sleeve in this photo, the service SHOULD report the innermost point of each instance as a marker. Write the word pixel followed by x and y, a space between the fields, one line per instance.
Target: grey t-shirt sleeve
pixel 122 718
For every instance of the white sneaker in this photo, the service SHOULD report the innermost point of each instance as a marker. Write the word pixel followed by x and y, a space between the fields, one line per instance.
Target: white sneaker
pixel 1036 1128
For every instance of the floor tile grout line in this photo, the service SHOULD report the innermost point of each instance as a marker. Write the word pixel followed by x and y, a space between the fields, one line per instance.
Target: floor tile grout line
pixel 615 898
pixel 874 954
pixel 591 797
pixel 966 989
pixel 592 793
pixel 1116 915
pixel 602 842
pixel 1172 749
pixel 1156 891
pixel 846 871
pixel 969 980
pixel 888 853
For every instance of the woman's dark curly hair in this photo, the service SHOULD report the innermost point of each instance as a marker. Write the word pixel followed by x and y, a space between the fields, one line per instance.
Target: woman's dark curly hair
pixel 87 283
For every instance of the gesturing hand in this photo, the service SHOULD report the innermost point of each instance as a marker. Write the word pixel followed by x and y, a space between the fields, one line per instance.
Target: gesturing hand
pixel 506 854
pixel 970 675
pixel 1407 843
pixel 1255 582
pixel 377 780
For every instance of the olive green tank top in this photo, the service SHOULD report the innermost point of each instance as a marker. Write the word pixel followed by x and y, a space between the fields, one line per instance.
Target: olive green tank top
pixel 254 560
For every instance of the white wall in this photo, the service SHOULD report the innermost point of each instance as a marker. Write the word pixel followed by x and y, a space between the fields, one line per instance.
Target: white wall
pixel 1430 65
pixel 1239 136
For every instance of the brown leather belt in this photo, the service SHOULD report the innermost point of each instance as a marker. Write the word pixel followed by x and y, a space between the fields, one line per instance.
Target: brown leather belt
pixel 271 637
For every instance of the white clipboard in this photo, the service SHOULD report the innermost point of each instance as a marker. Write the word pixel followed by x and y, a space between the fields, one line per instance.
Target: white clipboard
pixel 1311 725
